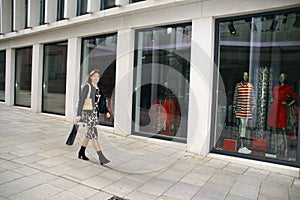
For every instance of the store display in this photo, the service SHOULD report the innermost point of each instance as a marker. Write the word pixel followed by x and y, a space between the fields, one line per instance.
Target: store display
pixel 278 116
pixel 243 104
pixel 230 145
pixel 262 97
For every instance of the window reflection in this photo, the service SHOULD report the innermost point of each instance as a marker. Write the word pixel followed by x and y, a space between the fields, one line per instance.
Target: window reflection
pixel 23 77
pixel 100 52
pixel 160 102
pixel 54 81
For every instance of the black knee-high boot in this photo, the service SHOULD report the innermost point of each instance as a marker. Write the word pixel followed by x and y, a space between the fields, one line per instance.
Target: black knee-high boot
pixel 103 160
pixel 81 153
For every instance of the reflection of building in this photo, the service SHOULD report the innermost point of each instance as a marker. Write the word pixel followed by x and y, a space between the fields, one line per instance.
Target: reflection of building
pixel 144 46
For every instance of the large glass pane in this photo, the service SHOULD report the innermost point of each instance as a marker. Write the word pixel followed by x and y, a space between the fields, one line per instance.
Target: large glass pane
pixel 106 4
pixel 23 77
pixel 99 52
pixel 2 75
pixel 42 12
pixel 81 7
pixel 162 68
pixel 26 14
pixel 54 79
pixel 60 9
pixel 257 112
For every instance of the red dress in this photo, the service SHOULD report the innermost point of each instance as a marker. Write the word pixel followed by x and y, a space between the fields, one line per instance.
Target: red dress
pixel 278 111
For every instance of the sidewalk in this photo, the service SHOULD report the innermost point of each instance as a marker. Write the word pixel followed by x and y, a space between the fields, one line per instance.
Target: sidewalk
pixel 35 163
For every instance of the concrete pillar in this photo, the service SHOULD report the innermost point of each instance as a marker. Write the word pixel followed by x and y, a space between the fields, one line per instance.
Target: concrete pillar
pixel 33 13
pixel 201 73
pixel 19 15
pixel 124 81
pixel 37 78
pixel 73 76
pixel 93 6
pixel 10 77
pixel 50 11
pixel 70 8
pixel 5 18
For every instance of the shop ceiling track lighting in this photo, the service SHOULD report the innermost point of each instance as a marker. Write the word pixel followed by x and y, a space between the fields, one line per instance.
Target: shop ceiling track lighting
pixel 231 28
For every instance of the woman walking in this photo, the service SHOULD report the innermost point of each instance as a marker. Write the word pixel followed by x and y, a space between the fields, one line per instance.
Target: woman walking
pixel 90 116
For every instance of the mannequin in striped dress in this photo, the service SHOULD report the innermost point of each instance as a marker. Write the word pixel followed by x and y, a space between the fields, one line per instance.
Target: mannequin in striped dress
pixel 243 104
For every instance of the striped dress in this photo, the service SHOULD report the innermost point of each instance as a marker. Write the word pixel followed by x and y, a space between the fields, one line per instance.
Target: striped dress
pixel 243 100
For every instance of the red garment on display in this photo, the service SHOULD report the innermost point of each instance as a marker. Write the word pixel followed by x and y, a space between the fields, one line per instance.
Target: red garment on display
pixel 278 111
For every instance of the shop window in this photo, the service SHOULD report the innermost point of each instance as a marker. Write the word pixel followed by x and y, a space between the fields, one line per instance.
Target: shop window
pixel 54 77
pixel 2 74
pixel 99 52
pixel 257 107
pixel 162 67
pixel 23 71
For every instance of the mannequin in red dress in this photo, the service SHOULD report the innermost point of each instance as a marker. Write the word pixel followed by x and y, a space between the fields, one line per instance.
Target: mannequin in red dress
pixel 278 111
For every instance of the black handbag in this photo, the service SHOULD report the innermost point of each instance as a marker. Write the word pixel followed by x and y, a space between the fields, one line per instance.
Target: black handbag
pixel 72 135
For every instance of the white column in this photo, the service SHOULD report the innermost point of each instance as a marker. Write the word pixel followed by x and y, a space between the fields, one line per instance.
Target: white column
pixel 201 74
pixel 93 6
pixel 124 82
pixel 73 76
pixel 70 8
pixel 50 11
pixel 37 78
pixel 10 77
pixel 33 13
pixel 19 15
pixel 5 18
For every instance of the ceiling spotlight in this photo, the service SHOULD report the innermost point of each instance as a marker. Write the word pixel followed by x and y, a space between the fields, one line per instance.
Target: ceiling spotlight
pixel 297 21
pixel 231 29
pixel 273 26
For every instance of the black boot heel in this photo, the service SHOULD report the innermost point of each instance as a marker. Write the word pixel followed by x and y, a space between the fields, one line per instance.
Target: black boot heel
pixel 102 159
pixel 81 153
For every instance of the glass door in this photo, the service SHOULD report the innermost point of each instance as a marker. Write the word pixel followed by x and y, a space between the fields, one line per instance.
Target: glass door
pixel 2 75
pixel 23 77
pixel 54 78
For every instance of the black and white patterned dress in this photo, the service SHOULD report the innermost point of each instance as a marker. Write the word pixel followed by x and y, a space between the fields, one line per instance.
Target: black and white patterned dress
pixel 91 119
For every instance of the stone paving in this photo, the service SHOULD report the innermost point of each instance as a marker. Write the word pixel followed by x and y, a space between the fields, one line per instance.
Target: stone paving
pixel 35 163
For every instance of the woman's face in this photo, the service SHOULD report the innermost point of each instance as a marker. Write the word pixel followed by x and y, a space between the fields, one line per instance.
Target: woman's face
pixel 95 78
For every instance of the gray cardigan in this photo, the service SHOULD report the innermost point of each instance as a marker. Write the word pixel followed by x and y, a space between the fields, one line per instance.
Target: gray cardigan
pixel 83 95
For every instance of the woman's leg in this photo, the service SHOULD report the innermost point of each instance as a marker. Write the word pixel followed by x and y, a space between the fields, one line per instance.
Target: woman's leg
pixel 102 159
pixel 81 153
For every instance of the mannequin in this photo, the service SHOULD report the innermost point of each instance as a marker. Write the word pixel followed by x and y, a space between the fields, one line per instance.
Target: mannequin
pixel 278 111
pixel 243 104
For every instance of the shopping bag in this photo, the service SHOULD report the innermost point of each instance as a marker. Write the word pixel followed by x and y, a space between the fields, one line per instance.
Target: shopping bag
pixel 72 135
pixel 229 145
pixel 259 144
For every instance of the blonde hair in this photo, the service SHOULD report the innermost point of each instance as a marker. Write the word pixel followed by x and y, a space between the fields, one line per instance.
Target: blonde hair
pixel 87 78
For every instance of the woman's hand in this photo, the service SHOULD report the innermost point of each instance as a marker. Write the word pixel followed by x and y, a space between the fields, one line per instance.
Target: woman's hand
pixel 107 115
pixel 78 118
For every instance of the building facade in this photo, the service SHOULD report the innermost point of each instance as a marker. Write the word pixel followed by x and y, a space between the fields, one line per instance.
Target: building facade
pixel 217 76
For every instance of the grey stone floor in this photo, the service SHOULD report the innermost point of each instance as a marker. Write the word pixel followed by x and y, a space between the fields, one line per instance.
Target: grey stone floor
pixel 35 163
